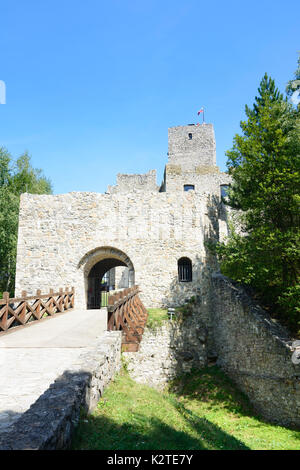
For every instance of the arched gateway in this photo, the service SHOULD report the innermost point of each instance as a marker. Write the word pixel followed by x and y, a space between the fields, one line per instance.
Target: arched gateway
pixel 100 275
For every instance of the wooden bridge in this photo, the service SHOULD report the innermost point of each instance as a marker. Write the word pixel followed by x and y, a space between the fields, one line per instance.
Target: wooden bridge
pixel 126 312
pixel 43 336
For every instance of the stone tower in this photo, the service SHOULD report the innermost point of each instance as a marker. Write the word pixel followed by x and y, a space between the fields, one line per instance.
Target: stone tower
pixel 192 146
pixel 192 160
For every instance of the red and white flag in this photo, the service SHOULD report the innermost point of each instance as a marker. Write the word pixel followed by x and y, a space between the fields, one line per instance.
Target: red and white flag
pixel 200 111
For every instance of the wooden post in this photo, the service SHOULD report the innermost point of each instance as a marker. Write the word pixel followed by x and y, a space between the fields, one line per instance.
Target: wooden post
pixel 51 303
pixel 4 322
pixel 66 298
pixel 22 316
pixel 38 304
pixel 61 300
pixel 30 306
pixel 72 297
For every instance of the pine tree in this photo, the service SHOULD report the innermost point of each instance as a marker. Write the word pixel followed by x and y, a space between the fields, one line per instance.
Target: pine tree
pixel 265 166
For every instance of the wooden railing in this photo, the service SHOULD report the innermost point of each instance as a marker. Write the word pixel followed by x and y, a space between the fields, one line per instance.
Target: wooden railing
pixel 126 312
pixel 18 311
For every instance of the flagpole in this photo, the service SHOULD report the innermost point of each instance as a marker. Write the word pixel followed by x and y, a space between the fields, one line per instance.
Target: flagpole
pixel 201 111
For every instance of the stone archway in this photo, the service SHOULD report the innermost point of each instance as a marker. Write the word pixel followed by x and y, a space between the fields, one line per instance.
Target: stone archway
pixel 95 265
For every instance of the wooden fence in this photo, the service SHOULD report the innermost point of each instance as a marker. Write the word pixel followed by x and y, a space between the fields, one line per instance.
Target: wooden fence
pixel 126 312
pixel 15 312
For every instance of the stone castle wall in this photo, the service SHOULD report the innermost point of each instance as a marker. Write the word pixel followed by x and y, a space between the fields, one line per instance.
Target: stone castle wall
pixel 149 229
pixel 128 183
pixel 169 351
pixel 152 230
pixel 206 179
pixel 255 352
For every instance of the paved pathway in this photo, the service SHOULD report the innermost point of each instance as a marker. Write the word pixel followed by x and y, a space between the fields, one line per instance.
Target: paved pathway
pixel 31 358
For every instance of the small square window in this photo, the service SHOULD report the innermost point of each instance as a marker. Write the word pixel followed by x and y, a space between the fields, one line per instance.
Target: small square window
pixel 190 136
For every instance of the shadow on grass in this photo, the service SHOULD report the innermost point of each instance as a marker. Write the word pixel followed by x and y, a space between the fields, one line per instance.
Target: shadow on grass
pixel 102 433
pixel 212 386
pixel 144 432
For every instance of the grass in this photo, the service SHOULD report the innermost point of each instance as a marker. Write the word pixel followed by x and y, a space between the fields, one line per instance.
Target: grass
pixel 202 410
pixel 156 317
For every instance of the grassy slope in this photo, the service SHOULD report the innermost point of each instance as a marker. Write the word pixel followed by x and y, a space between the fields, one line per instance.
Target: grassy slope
pixel 203 411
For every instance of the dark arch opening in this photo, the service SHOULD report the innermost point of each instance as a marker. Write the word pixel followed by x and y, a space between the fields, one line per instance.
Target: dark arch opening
pixel 101 279
pixel 99 267
pixel 188 187
pixel 185 272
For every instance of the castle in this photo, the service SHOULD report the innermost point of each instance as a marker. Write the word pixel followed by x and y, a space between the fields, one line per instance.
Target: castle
pixel 136 233
pixel 155 237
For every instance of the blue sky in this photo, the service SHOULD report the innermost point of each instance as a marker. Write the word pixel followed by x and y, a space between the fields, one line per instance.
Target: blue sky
pixel 92 87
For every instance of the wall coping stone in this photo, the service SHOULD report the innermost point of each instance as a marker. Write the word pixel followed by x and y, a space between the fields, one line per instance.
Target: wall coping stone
pixel 256 311
pixel 49 423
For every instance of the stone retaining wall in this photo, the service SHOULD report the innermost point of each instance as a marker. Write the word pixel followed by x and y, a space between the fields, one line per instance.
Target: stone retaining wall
pixel 226 325
pixel 255 352
pixel 168 351
pixel 51 420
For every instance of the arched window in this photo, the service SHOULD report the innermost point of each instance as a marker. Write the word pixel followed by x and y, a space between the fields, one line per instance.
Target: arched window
pixel 188 187
pixel 184 270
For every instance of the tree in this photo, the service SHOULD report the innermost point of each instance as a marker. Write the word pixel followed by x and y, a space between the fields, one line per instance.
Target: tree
pixel 265 166
pixel 294 84
pixel 15 178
